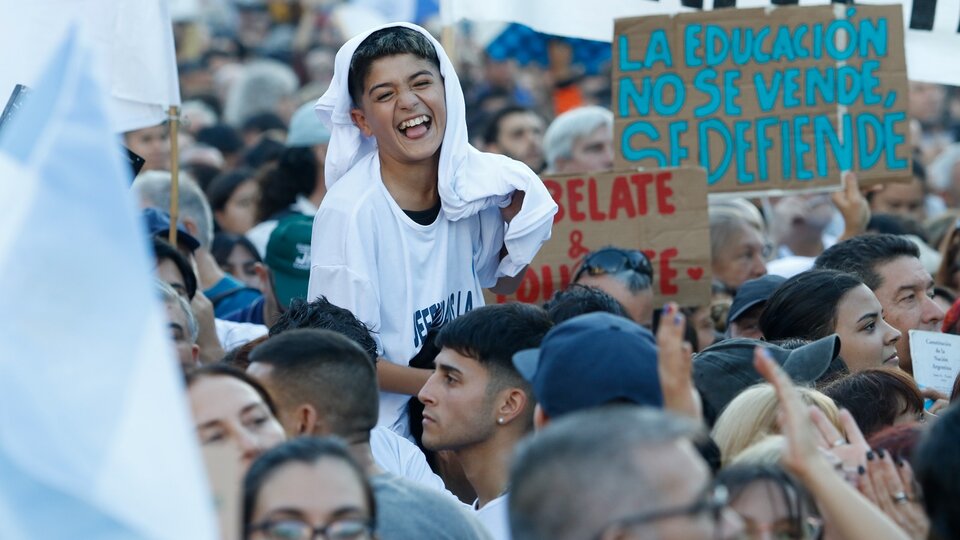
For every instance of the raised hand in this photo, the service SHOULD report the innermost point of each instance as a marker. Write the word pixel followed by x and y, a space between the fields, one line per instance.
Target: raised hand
pixel 889 484
pixel 675 364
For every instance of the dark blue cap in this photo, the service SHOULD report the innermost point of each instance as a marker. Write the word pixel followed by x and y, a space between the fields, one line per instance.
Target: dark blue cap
pixel 752 293
pixel 592 360
pixel 158 223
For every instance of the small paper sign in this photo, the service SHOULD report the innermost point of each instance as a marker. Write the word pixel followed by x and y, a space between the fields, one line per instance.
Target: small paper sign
pixel 936 360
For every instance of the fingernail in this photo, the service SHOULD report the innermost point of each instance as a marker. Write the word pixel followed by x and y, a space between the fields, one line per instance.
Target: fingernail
pixel 870 455
pixel 766 353
pixel 676 319
pixel 666 309
pixel 880 453
pixel 861 470
pixel 898 461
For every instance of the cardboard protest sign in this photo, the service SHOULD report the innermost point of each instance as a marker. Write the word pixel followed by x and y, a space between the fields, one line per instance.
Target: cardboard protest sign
pixel 936 360
pixel 661 212
pixel 764 100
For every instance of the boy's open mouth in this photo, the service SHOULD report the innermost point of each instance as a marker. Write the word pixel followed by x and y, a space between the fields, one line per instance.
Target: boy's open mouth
pixel 416 127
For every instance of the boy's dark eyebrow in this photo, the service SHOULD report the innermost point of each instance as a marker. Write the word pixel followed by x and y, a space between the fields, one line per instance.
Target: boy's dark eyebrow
pixel 410 78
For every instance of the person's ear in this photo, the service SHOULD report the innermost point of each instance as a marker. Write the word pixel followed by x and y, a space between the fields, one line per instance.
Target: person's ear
pixel 305 420
pixel 263 276
pixel 360 120
pixel 540 418
pixel 191 227
pixel 513 402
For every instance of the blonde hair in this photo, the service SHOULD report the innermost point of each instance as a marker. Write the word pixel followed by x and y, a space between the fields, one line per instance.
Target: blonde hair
pixel 752 416
pixel 766 451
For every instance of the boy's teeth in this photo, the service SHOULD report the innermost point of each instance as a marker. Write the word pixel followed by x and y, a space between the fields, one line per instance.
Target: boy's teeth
pixel 413 122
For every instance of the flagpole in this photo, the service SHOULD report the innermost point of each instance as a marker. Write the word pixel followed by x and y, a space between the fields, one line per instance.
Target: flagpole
pixel 449 41
pixel 174 128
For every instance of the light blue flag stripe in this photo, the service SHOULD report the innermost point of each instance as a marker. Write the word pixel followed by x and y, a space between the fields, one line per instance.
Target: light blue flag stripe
pixel 95 440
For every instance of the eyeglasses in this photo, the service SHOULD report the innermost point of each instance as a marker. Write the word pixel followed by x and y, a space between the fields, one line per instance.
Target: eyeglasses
pixel 611 260
pixel 711 501
pixel 295 529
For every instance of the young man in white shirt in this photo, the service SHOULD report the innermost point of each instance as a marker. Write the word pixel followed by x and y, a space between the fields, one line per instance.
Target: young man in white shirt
pixel 477 405
pixel 384 246
pixel 323 383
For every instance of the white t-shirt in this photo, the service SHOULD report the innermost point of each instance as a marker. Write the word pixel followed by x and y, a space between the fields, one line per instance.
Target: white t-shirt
pixel 401 457
pixel 232 334
pixel 495 518
pixel 400 278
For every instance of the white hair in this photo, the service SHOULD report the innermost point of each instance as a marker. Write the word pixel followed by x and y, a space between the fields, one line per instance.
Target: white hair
pixel 565 129
pixel 153 189
pixel 170 296
pixel 262 85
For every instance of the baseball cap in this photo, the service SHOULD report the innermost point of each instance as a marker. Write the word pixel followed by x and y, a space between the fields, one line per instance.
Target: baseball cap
pixel 751 293
pixel 158 223
pixel 306 129
pixel 724 369
pixel 288 256
pixel 592 360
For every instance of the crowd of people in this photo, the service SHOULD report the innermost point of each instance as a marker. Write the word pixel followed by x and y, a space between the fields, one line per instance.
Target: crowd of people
pixel 325 297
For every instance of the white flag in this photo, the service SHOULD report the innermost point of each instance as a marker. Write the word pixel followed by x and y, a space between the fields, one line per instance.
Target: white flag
pixel 132 41
pixel 95 436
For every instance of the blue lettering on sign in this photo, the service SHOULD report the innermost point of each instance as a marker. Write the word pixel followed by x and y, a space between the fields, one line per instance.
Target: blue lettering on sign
pixel 742 147
pixel 717 45
pixel 731 91
pixel 827 137
pixel 678 152
pixel 892 139
pixel 705 83
pixel 692 40
pixel 659 89
pixel 631 153
pixel 658 51
pixel 767 94
pixel 873 35
pixel 714 124
pixel 763 144
pixel 630 95
pixel 801 147
pixel 867 157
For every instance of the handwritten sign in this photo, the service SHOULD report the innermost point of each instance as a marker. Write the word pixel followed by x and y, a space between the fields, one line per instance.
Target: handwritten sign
pixel 779 99
pixel 936 359
pixel 661 212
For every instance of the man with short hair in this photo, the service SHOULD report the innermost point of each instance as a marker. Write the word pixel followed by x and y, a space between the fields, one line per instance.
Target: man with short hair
pixel 477 405
pixel 616 472
pixel 624 274
pixel 517 132
pixel 579 141
pixel 890 266
pixel 325 384
pixel 393 452
pixel 580 299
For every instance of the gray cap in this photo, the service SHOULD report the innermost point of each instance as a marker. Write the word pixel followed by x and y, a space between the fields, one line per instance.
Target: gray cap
pixel 724 369
pixel 306 129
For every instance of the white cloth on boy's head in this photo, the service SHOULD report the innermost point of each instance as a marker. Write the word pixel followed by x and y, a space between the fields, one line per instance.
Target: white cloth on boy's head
pixel 469 180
